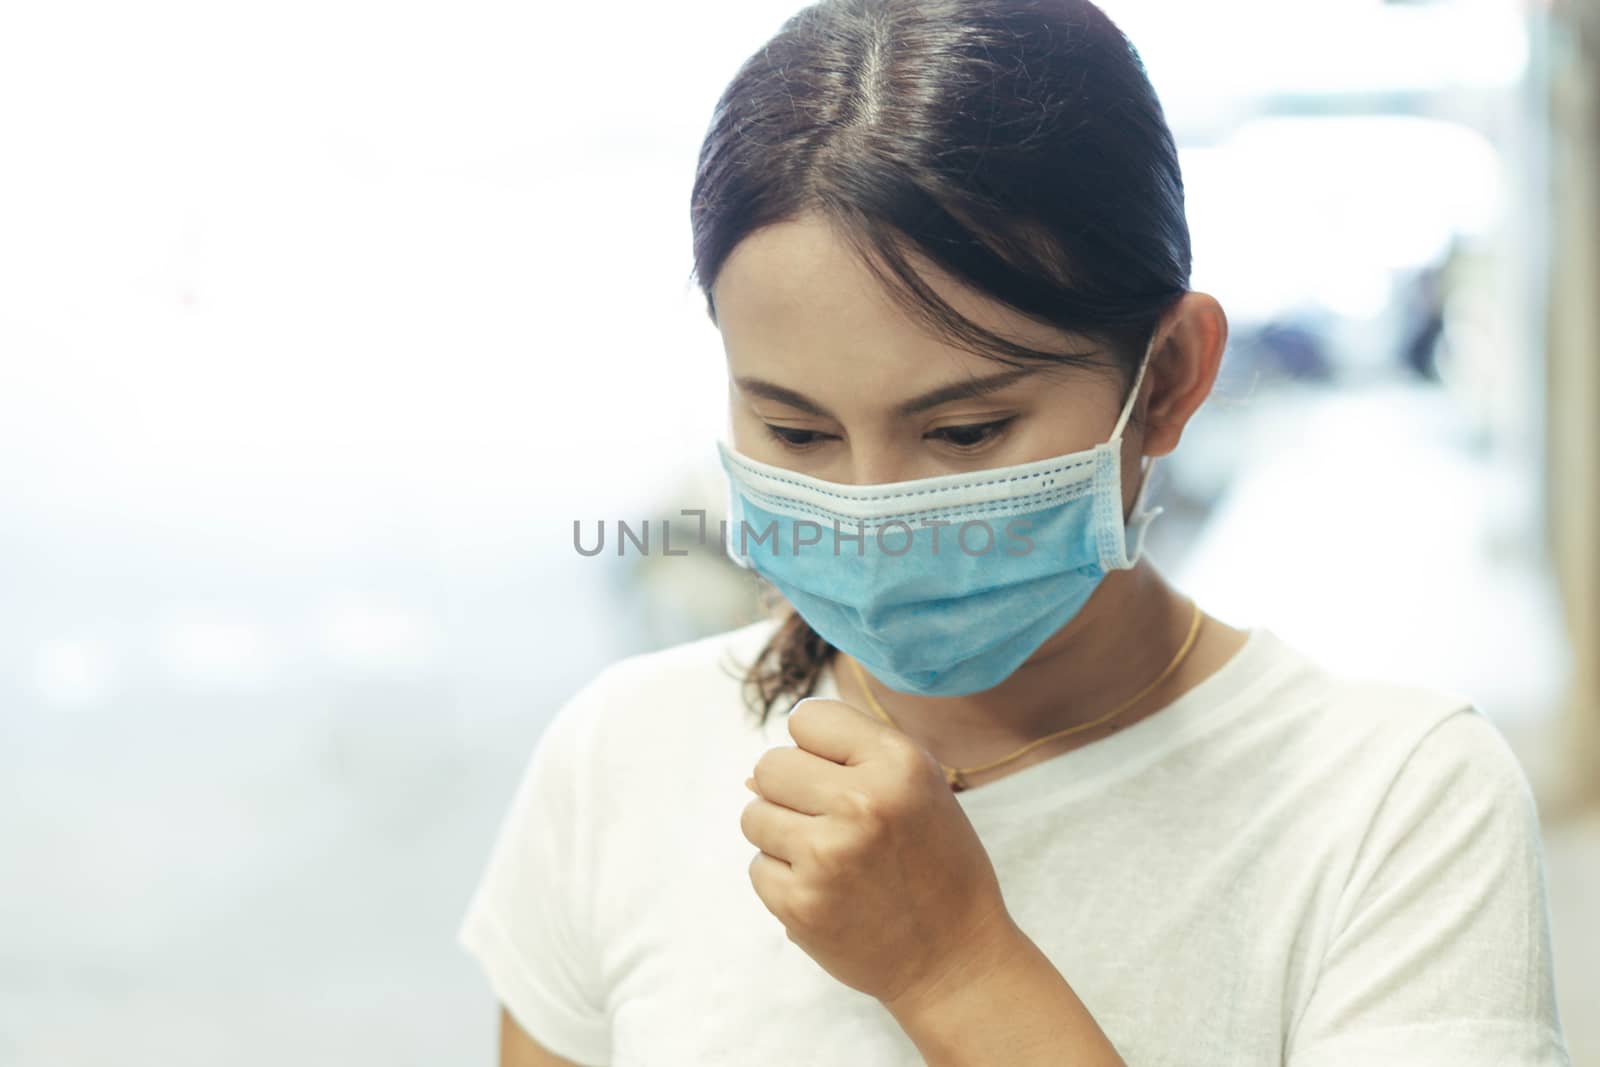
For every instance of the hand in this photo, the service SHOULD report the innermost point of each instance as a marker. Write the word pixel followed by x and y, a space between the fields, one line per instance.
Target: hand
pixel 867 858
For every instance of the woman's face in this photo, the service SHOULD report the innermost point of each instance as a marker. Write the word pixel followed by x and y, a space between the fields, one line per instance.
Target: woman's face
pixel 829 377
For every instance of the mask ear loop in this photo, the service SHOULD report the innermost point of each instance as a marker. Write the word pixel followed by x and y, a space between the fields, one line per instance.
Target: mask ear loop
pixel 1133 394
pixel 1139 520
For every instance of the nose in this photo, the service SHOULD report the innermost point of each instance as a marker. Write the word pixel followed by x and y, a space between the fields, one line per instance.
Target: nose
pixel 876 464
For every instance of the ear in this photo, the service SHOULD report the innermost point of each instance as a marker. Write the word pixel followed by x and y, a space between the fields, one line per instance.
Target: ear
pixel 1184 367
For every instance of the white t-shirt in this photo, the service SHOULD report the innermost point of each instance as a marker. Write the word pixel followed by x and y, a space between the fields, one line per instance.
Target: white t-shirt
pixel 1280 867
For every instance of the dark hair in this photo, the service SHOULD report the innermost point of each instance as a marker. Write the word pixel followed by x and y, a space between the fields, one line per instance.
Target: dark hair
pixel 1016 144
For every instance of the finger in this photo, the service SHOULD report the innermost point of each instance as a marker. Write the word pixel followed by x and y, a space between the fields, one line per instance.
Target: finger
pixel 834 730
pixel 773 880
pixel 800 780
pixel 773 828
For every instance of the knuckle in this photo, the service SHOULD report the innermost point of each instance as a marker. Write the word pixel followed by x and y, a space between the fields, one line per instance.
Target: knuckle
pixel 918 765
pixel 803 712
pixel 827 855
pixel 806 909
pixel 747 818
pixel 864 808
pixel 913 758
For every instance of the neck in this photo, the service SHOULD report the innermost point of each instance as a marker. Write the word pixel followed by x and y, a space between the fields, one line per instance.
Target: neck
pixel 1120 641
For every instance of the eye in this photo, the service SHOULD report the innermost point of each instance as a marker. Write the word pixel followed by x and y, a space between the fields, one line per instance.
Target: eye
pixel 971 436
pixel 793 438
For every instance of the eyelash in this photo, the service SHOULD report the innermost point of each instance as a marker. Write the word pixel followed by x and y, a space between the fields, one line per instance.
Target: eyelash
pixel 780 434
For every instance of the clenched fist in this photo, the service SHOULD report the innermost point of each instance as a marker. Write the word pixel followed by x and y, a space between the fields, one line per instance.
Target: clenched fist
pixel 867 858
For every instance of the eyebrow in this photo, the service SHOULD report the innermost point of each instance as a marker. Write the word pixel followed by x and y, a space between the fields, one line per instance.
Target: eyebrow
pixel 971 388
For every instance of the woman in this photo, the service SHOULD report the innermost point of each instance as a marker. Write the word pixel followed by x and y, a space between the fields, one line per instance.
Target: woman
pixel 1016 799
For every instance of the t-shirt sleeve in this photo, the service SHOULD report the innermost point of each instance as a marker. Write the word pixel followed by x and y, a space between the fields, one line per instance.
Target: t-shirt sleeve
pixel 1441 951
pixel 528 923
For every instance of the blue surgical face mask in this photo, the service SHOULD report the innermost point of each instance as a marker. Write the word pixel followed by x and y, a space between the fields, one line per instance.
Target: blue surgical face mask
pixel 941 586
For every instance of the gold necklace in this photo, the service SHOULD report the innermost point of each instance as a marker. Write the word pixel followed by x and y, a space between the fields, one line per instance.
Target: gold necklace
pixel 956 776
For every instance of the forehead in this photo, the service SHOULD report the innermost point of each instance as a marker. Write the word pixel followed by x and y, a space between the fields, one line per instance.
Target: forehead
pixel 800 290
pixel 789 269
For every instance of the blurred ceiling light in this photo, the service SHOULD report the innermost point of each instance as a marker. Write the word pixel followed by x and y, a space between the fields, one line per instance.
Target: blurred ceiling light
pixel 217 653
pixel 70 672
pixel 363 636
pixel 1254 48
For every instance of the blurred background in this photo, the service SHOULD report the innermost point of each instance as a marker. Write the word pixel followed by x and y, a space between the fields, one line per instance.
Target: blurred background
pixel 321 324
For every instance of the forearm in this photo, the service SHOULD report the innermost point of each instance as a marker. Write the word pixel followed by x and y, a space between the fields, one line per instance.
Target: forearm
pixel 1009 1007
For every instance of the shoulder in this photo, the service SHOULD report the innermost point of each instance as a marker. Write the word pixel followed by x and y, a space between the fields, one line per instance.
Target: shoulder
pixel 693 674
pixel 1458 774
pixel 1379 723
pixel 1354 746
pixel 698 663
pixel 1430 923
pixel 1389 757
pixel 663 699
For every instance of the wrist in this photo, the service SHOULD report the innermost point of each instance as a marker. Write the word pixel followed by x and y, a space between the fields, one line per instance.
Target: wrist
pixel 1000 946
pixel 1004 1002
